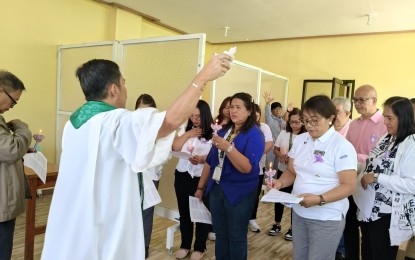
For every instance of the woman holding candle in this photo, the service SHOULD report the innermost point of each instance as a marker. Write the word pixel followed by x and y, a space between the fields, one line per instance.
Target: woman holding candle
pixel 282 146
pixel 253 225
pixel 230 176
pixel 223 117
pixel 193 139
pixel 322 168
pixel 390 175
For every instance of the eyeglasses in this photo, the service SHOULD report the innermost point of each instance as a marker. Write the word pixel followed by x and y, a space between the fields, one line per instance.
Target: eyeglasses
pixel 195 117
pixel 312 122
pixel 295 122
pixel 14 102
pixel 360 100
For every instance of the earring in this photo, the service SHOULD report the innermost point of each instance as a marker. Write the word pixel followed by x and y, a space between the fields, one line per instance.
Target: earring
pixel 329 123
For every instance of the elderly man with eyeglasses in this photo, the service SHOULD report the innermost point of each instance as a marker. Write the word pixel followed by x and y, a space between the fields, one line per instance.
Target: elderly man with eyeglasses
pixel 364 132
pixel 15 138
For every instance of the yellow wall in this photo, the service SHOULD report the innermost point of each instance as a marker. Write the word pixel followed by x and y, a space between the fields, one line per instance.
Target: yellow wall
pixel 384 60
pixel 31 32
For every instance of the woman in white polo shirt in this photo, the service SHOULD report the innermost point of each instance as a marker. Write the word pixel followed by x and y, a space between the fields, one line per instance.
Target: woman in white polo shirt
pixel 322 167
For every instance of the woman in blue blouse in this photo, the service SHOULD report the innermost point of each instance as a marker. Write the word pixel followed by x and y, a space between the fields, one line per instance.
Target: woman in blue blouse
pixel 231 174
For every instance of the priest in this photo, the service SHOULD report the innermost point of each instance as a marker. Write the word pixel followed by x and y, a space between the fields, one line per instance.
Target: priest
pixel 96 206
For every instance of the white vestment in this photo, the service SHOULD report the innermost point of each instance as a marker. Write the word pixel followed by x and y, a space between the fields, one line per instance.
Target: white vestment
pixel 96 206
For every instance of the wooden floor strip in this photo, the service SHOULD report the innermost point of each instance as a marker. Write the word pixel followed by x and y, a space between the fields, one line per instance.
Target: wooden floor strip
pixel 260 245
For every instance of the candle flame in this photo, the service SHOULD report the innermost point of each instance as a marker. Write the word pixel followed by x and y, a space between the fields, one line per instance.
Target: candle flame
pixel 270 166
pixel 216 122
pixel 40 131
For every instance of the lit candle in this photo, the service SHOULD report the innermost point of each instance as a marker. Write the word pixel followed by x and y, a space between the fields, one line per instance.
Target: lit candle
pixel 38 138
pixel 270 173
pixel 216 127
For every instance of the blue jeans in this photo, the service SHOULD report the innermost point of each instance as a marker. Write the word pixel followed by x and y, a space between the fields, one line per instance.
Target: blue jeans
pixel 341 248
pixel 230 224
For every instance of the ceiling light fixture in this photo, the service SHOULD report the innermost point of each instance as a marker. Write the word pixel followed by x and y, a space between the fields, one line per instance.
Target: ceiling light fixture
pixel 369 19
pixel 226 30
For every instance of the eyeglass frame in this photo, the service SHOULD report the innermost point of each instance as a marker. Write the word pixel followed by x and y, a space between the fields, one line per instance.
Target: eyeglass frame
pixel 14 102
pixel 194 117
pixel 360 100
pixel 312 122
pixel 295 122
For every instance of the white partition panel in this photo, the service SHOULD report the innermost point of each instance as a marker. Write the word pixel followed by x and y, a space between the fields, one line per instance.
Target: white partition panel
pixel 162 67
pixel 250 79
pixel 69 92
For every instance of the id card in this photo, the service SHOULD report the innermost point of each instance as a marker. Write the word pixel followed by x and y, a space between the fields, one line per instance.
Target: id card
pixel 217 173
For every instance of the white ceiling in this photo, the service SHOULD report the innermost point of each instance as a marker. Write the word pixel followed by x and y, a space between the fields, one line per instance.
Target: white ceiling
pixel 277 19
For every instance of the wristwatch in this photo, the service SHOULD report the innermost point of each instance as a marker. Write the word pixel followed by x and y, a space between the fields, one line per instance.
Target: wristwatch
pixel 230 148
pixel 322 200
pixel 376 176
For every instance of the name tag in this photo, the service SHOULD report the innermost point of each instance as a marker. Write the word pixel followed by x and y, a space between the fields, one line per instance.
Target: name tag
pixel 217 173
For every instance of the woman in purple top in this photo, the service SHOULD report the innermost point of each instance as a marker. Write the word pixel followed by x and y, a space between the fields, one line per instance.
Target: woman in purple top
pixel 231 174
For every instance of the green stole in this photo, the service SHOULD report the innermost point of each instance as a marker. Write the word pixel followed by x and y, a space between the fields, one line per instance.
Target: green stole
pixel 87 111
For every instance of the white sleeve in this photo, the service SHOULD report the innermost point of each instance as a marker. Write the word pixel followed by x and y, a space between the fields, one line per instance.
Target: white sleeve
pixel 135 138
pixel 280 138
pixel 267 132
pixel 403 181
pixel 345 156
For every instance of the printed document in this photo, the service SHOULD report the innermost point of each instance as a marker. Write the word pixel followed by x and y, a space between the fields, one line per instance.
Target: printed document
pixel 282 197
pixel 198 211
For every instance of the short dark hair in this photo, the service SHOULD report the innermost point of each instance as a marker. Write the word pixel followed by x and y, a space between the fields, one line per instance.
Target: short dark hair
pixel 275 105
pixel 220 116
pixel 402 108
pixel 295 111
pixel 412 100
pixel 250 106
pixel 10 82
pixel 145 99
pixel 205 120
pixel 95 76
pixel 322 105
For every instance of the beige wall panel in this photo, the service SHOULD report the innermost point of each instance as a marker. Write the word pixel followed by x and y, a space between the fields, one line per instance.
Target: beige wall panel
pixel 72 96
pixel 163 70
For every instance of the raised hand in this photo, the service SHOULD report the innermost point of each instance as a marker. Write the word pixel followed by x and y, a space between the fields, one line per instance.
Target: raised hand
pixel 215 68
pixel 290 107
pixel 268 97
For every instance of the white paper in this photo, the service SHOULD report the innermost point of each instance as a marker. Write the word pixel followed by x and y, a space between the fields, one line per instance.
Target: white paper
pixel 282 197
pixel 151 195
pixel 38 163
pixel 180 155
pixel 364 199
pixel 198 211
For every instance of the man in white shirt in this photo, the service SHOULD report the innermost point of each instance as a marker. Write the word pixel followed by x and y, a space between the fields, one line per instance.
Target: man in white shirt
pixel 96 207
